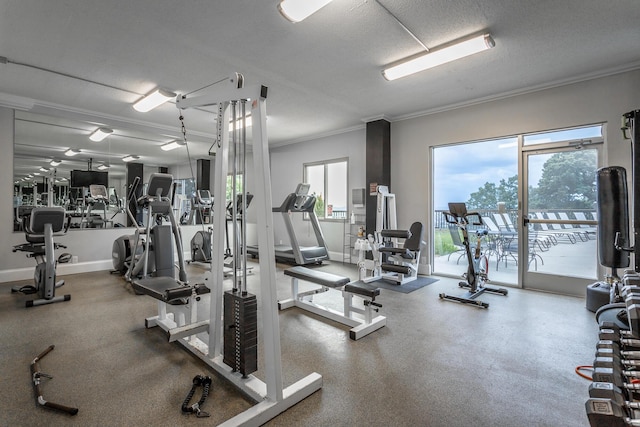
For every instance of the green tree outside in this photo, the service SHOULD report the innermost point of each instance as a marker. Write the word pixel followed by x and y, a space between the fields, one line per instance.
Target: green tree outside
pixel 319 206
pixel 567 182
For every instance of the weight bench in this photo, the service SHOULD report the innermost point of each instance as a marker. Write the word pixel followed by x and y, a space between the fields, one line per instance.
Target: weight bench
pixel 304 300
pixel 181 299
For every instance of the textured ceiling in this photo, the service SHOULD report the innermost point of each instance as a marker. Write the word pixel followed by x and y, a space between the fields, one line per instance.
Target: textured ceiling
pixel 323 74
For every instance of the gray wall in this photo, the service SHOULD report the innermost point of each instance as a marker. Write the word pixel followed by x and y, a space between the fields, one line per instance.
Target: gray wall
pixel 287 171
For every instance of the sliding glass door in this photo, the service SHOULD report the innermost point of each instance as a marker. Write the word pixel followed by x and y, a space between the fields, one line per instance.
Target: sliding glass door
pixel 534 188
pixel 559 216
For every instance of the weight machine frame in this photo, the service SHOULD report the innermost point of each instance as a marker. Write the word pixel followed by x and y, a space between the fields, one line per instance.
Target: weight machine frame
pixel 271 397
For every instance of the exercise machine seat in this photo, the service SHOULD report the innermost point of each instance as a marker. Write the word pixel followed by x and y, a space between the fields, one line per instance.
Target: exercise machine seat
pixel 363 289
pixel 319 277
pixel 414 242
pixel 167 289
pixel 39 217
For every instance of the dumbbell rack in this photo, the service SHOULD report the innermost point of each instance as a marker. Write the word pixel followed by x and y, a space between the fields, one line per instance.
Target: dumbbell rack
pixel 614 394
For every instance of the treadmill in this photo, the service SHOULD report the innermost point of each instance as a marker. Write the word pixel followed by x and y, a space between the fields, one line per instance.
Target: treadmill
pixel 299 202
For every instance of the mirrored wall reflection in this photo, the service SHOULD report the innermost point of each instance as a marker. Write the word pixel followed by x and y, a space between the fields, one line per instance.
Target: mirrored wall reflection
pixel 57 164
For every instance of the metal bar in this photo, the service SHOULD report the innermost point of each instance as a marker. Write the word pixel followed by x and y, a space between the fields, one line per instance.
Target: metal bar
pixel 563 221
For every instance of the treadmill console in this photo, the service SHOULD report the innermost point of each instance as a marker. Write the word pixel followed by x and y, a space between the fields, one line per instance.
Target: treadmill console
pixel 204 197
pixel 302 196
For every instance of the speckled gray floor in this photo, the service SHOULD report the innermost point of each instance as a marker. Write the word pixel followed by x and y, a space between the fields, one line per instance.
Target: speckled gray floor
pixel 436 363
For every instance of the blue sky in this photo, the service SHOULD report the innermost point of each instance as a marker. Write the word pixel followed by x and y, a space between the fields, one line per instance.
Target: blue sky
pixel 462 169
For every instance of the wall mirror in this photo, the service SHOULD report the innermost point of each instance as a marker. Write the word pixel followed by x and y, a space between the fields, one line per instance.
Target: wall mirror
pixel 46 175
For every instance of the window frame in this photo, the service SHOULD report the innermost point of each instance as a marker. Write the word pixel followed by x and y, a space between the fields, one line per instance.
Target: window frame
pixel 325 194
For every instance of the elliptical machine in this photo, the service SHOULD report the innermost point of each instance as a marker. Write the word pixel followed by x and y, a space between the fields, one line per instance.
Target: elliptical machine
pixel 477 273
pixel 39 229
pixel 149 252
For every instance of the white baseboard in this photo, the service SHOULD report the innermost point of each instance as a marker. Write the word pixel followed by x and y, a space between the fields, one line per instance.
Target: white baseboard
pixel 61 270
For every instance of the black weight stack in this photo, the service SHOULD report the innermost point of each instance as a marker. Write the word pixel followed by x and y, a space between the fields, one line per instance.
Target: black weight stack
pixel 241 332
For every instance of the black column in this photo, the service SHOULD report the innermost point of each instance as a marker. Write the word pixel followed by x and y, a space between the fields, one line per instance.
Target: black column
pixel 378 169
pixel 134 170
pixel 203 174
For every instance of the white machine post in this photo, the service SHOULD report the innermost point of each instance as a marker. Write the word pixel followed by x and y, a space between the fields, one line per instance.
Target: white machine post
pixel 271 397
pixel 386 210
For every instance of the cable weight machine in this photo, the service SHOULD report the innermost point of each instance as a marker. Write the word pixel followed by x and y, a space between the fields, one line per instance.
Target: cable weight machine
pixel 231 349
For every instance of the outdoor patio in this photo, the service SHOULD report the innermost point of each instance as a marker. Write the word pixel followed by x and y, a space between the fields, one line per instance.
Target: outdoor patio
pixel 577 259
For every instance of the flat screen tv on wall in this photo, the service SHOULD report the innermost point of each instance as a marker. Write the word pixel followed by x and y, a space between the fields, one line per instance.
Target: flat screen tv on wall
pixel 87 178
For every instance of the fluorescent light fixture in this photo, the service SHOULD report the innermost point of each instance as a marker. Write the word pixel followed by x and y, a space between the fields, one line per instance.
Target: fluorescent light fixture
pixel 152 100
pixel 55 162
pixel 130 158
pixel 72 152
pixel 436 57
pixel 297 10
pixel 43 169
pixel 100 134
pixel 172 145
pixel 36 173
pixel 103 167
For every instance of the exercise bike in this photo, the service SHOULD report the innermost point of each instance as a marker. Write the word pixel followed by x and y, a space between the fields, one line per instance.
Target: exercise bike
pixel 39 228
pixel 477 274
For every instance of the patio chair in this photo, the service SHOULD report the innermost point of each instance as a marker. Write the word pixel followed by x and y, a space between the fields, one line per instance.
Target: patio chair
pixel 510 250
pixel 589 229
pixel 557 232
pixel 457 242
pixel 582 235
pixel 500 237
pixel 504 222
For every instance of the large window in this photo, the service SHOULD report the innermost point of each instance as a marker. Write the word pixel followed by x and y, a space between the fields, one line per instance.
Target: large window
pixel 557 183
pixel 328 182
pixel 239 185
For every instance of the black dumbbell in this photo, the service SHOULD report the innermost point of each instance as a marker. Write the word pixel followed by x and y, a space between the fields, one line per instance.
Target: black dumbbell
pixel 614 375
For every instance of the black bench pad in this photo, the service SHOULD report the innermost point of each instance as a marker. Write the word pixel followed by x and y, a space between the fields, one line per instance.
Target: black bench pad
pixel 396 268
pixel 361 288
pixel 168 289
pixel 318 277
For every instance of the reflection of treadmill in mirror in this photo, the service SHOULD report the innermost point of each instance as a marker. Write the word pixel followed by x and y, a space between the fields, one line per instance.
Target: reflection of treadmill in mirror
pixel 299 202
